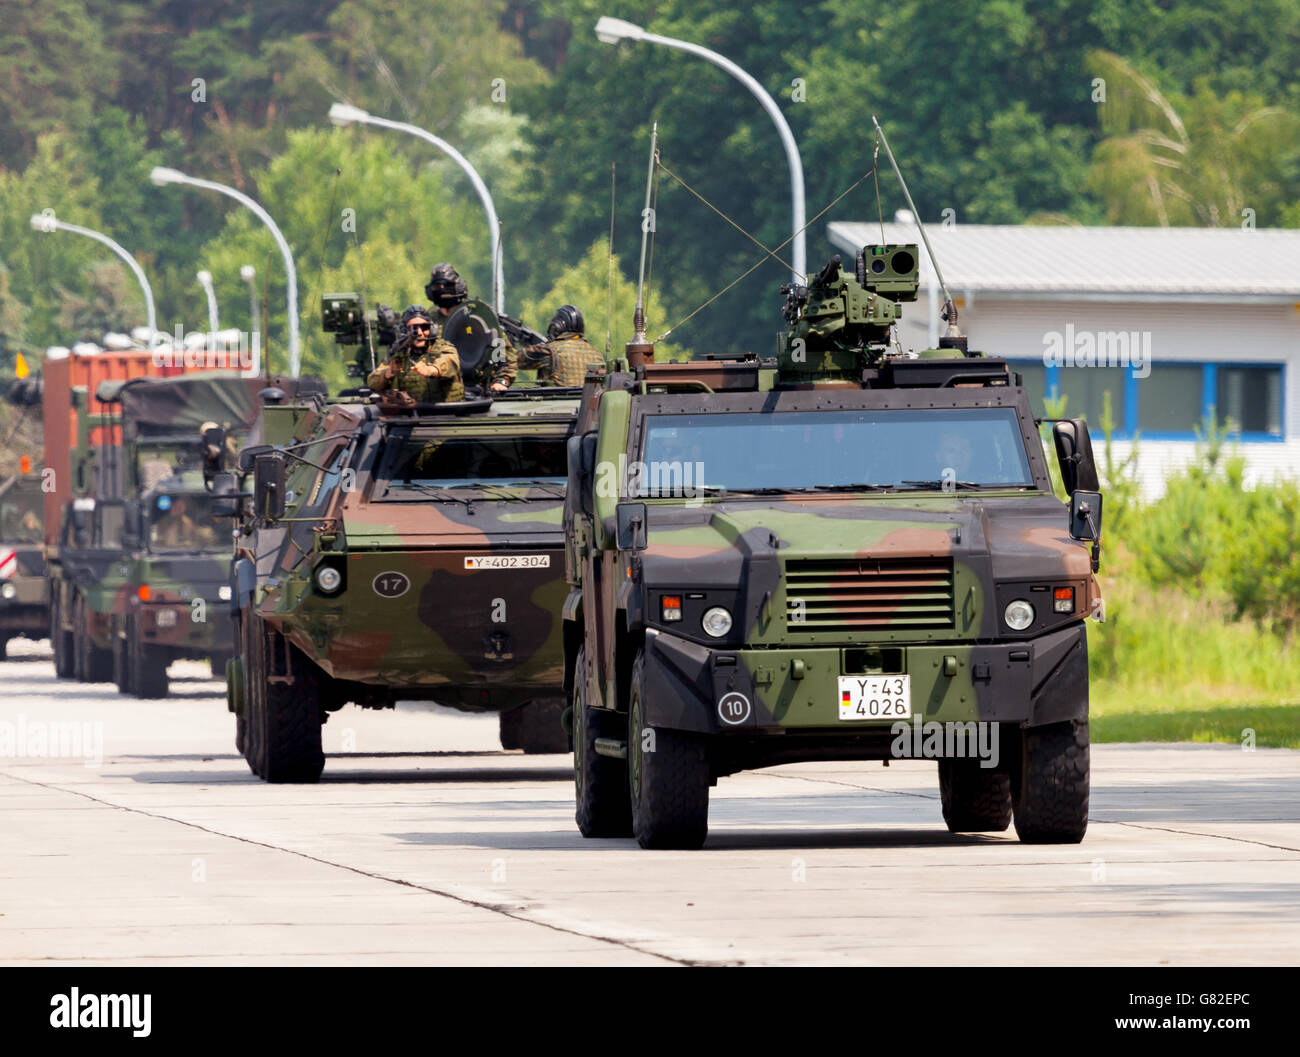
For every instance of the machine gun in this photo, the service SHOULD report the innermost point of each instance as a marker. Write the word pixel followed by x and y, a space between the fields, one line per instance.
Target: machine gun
pixel 840 323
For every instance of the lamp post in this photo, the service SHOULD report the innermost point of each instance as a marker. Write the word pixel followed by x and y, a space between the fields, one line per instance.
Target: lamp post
pixel 612 30
pixel 205 280
pixel 47 222
pixel 162 176
pixel 248 273
pixel 342 114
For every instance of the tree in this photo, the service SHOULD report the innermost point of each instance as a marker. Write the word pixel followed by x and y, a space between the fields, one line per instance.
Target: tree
pixel 1170 159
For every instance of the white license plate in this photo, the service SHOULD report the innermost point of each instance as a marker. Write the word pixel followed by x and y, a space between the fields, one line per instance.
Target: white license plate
pixel 875 697
pixel 165 618
pixel 508 561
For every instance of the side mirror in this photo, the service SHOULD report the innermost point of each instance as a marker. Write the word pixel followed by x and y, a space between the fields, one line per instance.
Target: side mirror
pixel 586 449
pixel 248 456
pixel 631 531
pixel 226 500
pixel 1074 455
pixel 1085 515
pixel 269 486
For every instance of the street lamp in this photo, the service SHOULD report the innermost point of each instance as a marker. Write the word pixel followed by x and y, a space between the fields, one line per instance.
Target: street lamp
pixel 205 280
pixel 248 273
pixel 47 222
pixel 342 114
pixel 612 30
pixel 162 176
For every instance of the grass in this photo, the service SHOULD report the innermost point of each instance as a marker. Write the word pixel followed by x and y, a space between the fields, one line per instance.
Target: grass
pixel 1168 665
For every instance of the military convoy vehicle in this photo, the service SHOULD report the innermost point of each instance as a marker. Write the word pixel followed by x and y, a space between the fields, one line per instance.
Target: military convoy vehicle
pixel 396 550
pixel 24 601
pixel 828 555
pixel 140 574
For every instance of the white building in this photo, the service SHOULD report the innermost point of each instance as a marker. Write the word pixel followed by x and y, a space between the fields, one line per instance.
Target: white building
pixel 1175 323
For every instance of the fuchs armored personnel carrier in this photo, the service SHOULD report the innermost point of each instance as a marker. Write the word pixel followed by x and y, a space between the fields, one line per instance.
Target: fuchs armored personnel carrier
pixel 24 601
pixel 841 553
pixel 394 551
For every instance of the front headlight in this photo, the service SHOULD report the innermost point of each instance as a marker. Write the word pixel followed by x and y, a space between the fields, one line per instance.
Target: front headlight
pixel 223 593
pixel 328 579
pixel 1019 615
pixel 716 622
pixel 8 591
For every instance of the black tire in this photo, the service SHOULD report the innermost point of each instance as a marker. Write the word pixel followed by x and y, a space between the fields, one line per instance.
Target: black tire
pixel 283 732
pixel 146 666
pixel 60 641
pixel 975 799
pixel 535 727
pixel 1049 787
pixel 241 722
pixel 4 647
pixel 91 664
pixel 668 778
pixel 600 782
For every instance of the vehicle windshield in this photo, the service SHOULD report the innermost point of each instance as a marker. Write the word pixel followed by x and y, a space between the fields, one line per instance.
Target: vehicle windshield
pixel 182 522
pixel 807 450
pixel 431 461
pixel 21 517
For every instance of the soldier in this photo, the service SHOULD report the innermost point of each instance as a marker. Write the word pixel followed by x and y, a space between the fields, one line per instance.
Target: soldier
pixel 447 290
pixel 425 368
pixel 565 357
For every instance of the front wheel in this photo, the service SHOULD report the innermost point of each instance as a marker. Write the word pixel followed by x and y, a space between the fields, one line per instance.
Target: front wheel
pixel 1049 787
pixel 600 782
pixel 975 799
pixel 668 778
pixel 91 664
pixel 60 641
pixel 282 736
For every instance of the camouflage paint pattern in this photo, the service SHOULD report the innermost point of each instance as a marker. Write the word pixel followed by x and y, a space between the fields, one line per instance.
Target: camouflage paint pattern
pixel 412 618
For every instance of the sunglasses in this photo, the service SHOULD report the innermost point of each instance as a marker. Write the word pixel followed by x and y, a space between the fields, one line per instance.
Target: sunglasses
pixel 421 326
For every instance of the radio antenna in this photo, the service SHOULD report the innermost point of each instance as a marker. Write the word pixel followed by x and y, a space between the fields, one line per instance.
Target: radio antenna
pixel 949 313
pixel 640 349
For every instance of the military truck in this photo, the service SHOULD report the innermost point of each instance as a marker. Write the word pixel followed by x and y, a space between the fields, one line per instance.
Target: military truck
pixel 24 601
pixel 398 551
pixel 140 576
pixel 840 553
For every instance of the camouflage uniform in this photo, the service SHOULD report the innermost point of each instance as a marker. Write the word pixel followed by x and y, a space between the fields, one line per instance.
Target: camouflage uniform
pixel 444 387
pixel 563 360
pixel 507 370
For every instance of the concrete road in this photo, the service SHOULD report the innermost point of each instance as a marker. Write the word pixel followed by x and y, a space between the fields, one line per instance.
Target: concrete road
pixel 427 844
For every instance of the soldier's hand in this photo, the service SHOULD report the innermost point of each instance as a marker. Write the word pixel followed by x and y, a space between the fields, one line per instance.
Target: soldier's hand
pixel 426 370
pixel 499 387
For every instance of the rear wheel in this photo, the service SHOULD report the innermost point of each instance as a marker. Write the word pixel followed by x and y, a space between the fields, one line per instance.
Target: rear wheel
pixel 668 777
pixel 282 735
pixel 975 799
pixel 600 782
pixel 1049 787
pixel 535 727
pixel 146 665
pixel 4 647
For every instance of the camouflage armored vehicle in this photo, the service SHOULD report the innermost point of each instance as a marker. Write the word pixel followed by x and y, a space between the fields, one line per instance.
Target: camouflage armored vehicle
pixel 401 551
pixel 24 602
pixel 842 553
pixel 142 571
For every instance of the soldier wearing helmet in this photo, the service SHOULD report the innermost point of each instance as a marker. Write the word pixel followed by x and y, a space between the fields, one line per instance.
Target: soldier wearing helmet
pixel 567 355
pixel 425 367
pixel 447 290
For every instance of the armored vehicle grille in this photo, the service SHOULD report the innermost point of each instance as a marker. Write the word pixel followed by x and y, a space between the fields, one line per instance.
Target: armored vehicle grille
pixel 868 594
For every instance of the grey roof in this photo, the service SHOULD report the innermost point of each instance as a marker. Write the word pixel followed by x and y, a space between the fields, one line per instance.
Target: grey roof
pixel 1119 263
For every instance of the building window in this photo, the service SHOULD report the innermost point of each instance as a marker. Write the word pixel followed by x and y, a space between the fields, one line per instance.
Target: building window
pixel 1171 398
pixel 1249 398
pixel 1085 390
pixel 1172 403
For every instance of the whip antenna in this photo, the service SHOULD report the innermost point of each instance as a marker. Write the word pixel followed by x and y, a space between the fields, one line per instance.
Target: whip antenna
pixel 640 349
pixel 949 313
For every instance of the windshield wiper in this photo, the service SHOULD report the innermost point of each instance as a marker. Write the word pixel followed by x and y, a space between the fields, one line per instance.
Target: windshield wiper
pixel 941 485
pixel 440 495
pixel 554 489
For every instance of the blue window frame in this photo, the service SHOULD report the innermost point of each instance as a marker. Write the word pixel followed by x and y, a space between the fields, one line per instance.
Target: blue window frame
pixel 1252 394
